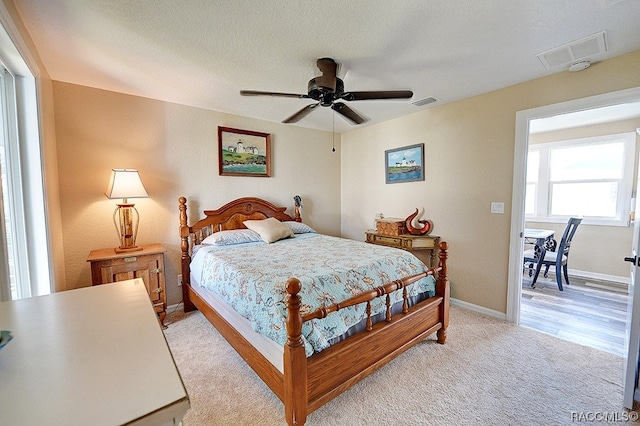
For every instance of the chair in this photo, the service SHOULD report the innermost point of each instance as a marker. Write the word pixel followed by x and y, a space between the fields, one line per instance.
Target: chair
pixel 548 256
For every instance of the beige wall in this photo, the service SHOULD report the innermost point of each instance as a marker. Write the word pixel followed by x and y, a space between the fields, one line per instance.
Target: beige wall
pixel 612 243
pixel 469 150
pixel 174 147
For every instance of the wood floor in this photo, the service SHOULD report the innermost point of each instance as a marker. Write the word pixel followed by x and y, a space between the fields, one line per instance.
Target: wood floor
pixel 589 312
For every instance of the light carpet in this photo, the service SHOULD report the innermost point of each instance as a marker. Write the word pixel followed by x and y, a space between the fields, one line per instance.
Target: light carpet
pixel 489 372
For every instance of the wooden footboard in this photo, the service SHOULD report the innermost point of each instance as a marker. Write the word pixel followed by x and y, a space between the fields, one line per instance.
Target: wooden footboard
pixel 312 382
pixel 308 383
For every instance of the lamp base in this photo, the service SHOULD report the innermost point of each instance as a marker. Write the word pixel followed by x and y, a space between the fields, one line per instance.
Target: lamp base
pixel 127 249
pixel 127 227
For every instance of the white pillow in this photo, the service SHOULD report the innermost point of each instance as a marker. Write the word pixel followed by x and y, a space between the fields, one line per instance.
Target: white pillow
pixel 232 236
pixel 299 227
pixel 270 229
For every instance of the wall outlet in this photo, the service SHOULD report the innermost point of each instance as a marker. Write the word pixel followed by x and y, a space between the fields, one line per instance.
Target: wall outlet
pixel 179 280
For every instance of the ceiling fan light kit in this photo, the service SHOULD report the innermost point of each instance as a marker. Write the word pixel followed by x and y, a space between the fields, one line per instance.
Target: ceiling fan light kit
pixel 327 89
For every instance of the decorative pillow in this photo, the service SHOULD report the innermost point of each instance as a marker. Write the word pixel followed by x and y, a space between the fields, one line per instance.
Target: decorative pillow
pixel 299 227
pixel 232 236
pixel 270 229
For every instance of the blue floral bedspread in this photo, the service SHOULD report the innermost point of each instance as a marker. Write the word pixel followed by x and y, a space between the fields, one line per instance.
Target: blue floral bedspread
pixel 252 278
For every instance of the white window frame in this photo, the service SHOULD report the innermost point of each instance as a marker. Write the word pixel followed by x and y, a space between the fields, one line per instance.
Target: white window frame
pixel 15 190
pixel 26 171
pixel 543 194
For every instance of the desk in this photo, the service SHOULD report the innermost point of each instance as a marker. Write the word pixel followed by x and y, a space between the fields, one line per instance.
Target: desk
pixel 538 237
pixel 94 355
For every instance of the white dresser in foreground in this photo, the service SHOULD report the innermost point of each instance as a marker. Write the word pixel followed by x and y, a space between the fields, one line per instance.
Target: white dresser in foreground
pixel 94 356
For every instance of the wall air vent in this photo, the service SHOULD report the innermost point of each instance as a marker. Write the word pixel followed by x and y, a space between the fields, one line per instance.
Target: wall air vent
pixel 586 48
pixel 424 101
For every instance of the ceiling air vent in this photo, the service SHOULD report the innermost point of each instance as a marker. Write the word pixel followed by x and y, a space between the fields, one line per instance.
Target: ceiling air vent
pixel 424 101
pixel 575 51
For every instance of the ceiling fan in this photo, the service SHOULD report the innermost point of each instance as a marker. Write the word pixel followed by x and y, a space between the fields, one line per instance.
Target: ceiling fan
pixel 327 89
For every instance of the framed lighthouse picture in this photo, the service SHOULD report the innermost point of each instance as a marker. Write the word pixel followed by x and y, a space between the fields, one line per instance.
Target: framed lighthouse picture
pixel 243 153
pixel 404 164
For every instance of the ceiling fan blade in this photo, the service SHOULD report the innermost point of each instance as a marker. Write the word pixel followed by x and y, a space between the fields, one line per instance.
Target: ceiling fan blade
pixel 285 95
pixel 380 94
pixel 348 113
pixel 301 114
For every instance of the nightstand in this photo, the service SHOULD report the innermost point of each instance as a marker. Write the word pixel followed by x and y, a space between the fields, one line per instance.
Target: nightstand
pixel 107 266
pixel 418 244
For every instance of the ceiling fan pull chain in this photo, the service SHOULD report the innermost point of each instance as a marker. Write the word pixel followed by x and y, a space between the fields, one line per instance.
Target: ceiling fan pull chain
pixel 333 131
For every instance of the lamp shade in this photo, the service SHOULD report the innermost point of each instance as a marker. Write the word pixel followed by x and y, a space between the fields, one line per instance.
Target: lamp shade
pixel 125 183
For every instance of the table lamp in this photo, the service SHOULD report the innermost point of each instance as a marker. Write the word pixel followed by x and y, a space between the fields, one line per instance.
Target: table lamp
pixel 125 184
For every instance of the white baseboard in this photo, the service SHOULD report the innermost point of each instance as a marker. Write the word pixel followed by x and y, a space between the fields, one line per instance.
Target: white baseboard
pixel 479 309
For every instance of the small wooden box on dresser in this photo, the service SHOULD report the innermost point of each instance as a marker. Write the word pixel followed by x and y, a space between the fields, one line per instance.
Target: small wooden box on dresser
pixel 107 266
pixel 423 246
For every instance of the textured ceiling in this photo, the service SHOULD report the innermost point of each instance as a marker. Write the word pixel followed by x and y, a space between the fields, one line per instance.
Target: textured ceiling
pixel 202 52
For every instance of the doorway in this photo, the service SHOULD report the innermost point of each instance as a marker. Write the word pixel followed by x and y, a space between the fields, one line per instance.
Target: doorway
pixel 582 164
pixel 524 120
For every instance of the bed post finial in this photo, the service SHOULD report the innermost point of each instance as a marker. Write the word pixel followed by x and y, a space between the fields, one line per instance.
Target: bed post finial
pixel 443 255
pixel 182 206
pixel 297 203
pixel 295 358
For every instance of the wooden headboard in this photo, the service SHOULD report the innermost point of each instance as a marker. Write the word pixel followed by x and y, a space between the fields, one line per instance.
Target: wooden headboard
pixel 229 216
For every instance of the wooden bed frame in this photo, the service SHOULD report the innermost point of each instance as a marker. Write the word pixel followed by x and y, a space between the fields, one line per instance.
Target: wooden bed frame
pixel 309 383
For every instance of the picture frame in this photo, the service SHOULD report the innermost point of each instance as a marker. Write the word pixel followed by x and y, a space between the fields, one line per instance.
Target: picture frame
pixel 243 153
pixel 404 164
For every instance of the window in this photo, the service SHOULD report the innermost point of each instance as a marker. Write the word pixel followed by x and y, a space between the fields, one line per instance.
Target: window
pixel 533 165
pixel 589 177
pixel 8 157
pixel 24 242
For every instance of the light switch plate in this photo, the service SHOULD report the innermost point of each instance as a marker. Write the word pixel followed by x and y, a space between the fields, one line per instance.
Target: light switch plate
pixel 497 207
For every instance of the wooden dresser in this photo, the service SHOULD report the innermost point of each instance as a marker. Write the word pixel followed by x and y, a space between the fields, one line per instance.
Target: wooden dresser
pixel 418 244
pixel 107 266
